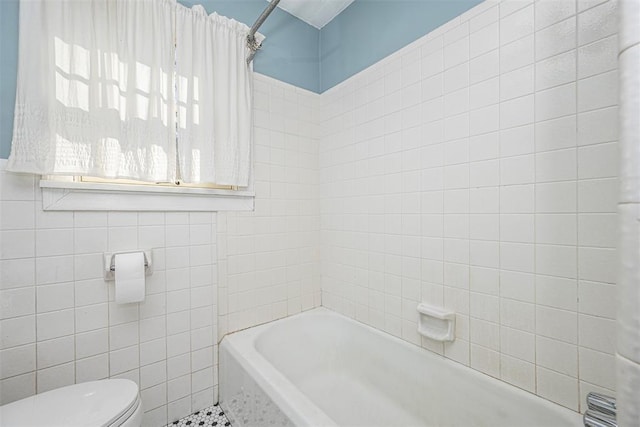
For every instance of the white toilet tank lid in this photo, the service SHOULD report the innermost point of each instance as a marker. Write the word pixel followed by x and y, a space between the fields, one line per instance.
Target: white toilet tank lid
pixel 94 403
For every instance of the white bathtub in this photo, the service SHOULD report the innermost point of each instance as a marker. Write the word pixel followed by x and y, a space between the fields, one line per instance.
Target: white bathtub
pixel 319 368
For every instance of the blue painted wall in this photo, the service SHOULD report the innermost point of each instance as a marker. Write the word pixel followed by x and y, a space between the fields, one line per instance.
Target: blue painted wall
pixel 369 30
pixel 294 52
pixel 8 71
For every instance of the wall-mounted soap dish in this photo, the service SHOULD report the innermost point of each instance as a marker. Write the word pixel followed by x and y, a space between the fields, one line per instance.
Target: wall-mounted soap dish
pixel 436 323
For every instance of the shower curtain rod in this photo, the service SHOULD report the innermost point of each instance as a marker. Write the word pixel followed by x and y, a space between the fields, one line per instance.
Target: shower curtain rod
pixel 252 44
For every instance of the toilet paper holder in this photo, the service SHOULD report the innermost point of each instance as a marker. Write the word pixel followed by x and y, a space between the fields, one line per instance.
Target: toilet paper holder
pixel 110 263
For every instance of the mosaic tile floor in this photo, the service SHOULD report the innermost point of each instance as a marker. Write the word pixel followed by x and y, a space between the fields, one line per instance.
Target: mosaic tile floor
pixel 211 416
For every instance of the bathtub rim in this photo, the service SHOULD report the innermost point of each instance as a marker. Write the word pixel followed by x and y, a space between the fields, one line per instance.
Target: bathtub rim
pixel 242 344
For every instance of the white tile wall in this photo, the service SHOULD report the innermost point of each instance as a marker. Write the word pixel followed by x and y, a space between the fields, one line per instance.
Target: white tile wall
pixel 268 260
pixel 476 169
pixel 59 323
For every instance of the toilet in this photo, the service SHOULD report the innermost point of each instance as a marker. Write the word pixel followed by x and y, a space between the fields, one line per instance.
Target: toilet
pixel 105 403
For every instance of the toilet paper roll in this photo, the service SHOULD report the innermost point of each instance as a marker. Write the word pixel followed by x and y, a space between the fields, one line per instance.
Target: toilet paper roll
pixel 130 279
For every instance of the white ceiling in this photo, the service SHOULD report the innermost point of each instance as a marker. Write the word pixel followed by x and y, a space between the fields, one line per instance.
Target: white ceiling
pixel 315 12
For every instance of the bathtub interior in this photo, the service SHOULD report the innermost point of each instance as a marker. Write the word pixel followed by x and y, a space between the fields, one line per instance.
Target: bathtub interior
pixel 359 376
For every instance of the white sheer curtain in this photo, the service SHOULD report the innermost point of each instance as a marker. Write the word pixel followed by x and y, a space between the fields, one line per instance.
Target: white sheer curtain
pixel 214 98
pixel 95 89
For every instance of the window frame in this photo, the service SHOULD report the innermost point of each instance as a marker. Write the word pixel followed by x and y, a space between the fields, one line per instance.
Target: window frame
pixel 67 193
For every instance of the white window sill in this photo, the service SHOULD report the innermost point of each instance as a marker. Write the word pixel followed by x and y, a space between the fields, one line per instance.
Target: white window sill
pixel 82 196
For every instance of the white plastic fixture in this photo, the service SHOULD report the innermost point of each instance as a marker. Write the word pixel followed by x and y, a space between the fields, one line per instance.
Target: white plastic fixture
pixel 436 323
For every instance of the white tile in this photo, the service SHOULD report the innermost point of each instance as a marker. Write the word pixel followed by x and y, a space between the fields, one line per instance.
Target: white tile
pixel 17 331
pixel 484 120
pixel 556 133
pixel 123 360
pixel 518 344
pixel 52 242
pixel 555 39
pixel 484 39
pixel 17 244
pixel 598 195
pixel 597 23
pixel 518 372
pixel 484 200
pixel 597 264
pixel 597 57
pixel 597 230
pixel 17 302
pixel 598 161
pixel 517 315
pixel 517 141
pixel 91 317
pixel 15 273
pixel 485 66
pixel 516 25
pixel 557 355
pixel 456 78
pixel 557 292
pixel 55 324
pixel 556 197
pixel 556 229
pixel 122 219
pixel 153 374
pixel 517 54
pixel 556 70
pixel 598 91
pixel 54 297
pixel 484 174
pixel 598 299
pixel 517 112
pixel 53 219
pixel 517 286
pixel 17 387
pixel 88 292
pixel 517 228
pixel 558 324
pixel 16 186
pixel 517 198
pixel 90 240
pixel 92 368
pixel 517 257
pixel 555 260
pixel 178 388
pixel 92 343
pixel 484 226
pixel 597 333
pixel 558 388
pixel 517 170
pixel 456 53
pixel 124 335
pixel 484 93
pixel 550 12
pixel 598 368
pixel 598 126
pixel 153 351
pixel 17 215
pixel 55 352
pixel 55 377
pixel 155 396
pixel 556 102
pixel 17 360
pixel 517 83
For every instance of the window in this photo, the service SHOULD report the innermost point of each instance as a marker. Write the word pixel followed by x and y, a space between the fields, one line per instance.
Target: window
pixel 129 114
